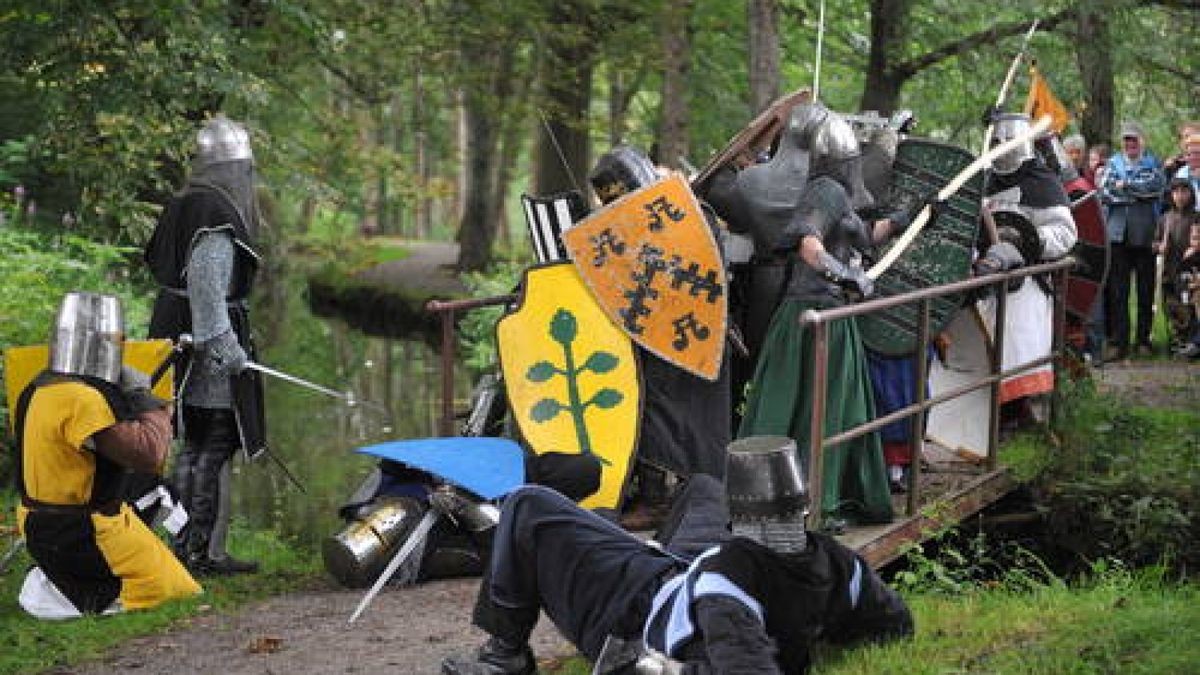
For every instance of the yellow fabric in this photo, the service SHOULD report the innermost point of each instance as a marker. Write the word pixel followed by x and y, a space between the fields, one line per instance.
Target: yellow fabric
pixel 56 467
pixel 1041 101
pixel 150 574
pixel 22 364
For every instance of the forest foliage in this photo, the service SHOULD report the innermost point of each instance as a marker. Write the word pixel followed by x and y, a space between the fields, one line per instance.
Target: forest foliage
pixel 392 117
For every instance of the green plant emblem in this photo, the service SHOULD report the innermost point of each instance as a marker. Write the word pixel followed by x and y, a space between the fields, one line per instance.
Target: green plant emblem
pixel 564 329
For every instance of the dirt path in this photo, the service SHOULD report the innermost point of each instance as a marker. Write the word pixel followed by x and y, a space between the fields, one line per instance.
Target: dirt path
pixel 405 630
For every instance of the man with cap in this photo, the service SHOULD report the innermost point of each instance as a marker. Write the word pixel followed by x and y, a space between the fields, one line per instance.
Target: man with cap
pixel 1130 192
pixel 80 426
pixel 698 598
pixel 203 258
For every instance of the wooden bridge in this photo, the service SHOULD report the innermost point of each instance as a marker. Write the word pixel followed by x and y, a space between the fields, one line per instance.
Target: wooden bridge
pixel 946 484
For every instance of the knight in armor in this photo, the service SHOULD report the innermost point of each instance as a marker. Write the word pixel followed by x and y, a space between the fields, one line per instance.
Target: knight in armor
pixel 81 426
pixel 811 223
pixel 202 255
pixel 685 418
pixel 1133 182
pixel 1033 219
pixel 698 598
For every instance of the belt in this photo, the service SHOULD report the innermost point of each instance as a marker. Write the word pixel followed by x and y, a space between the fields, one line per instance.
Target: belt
pixel 109 508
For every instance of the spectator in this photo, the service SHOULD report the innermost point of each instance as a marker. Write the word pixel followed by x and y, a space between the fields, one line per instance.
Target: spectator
pixel 1076 148
pixel 1170 241
pixel 1189 170
pixel 1189 286
pixel 1133 182
pixel 1097 158
pixel 1186 130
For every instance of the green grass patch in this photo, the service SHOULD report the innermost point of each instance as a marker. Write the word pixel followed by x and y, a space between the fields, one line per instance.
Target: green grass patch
pixel 28 645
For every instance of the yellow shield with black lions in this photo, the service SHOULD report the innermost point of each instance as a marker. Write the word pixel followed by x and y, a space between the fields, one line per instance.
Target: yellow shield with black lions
pixel 22 364
pixel 652 263
pixel 571 377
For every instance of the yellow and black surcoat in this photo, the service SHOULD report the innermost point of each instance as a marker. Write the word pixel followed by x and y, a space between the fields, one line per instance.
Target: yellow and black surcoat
pixel 86 540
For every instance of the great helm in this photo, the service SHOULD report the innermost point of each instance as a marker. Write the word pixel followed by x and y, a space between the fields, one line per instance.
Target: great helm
pixel 89 336
pixel 1005 127
pixel 222 140
pixel 620 171
pixel 768 497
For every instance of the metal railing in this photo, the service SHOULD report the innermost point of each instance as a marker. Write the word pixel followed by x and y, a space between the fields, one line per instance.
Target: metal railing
pixel 818 321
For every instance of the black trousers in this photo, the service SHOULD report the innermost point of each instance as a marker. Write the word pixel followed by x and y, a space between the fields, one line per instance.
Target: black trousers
pixel 591 577
pixel 1126 262
pixel 210 439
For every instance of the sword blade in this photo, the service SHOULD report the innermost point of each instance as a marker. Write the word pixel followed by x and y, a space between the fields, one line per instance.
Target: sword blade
pixel 266 370
pixel 418 534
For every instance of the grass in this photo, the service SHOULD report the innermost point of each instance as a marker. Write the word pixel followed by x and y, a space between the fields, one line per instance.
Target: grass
pixel 28 645
pixel 1108 624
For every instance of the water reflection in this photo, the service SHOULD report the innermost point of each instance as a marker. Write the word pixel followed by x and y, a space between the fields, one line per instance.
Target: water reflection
pixel 397 382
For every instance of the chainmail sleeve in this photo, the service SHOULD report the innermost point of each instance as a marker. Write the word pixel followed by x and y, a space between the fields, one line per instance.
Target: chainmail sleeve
pixel 209 269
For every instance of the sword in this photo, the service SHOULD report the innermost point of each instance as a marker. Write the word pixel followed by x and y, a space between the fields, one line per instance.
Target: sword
pixel 418 534
pixel 953 186
pixel 1012 72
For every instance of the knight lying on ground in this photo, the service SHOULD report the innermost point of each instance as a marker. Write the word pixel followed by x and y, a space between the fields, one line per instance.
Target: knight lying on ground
pixel 699 598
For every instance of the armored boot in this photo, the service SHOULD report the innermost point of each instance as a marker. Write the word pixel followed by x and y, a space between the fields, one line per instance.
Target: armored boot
pixel 497 656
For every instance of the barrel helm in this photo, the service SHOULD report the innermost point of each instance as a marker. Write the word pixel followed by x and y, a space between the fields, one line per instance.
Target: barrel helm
pixel 89 336
pixel 768 497
pixel 620 171
pixel 1007 126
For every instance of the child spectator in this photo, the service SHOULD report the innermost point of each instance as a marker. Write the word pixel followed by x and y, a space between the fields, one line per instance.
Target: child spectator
pixel 1189 284
pixel 1171 239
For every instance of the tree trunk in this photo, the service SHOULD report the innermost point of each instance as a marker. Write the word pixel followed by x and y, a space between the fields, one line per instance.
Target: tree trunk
pixel 763 20
pixel 1092 50
pixel 677 55
pixel 889 29
pixel 561 158
pixel 476 231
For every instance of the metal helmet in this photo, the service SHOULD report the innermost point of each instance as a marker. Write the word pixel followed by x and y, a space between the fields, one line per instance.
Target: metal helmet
pixel 222 140
pixel 89 336
pixel 1007 126
pixel 836 153
pixel 357 554
pixel 768 497
pixel 620 171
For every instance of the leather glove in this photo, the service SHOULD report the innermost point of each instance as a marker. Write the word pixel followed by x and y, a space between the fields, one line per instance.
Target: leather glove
pixel 851 278
pixel 1000 257
pixel 225 354
pixel 903 217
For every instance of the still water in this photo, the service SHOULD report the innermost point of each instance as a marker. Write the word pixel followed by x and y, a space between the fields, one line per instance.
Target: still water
pixel 396 380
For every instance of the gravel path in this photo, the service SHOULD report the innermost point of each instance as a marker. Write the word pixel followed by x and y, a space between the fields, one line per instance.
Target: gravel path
pixel 405 630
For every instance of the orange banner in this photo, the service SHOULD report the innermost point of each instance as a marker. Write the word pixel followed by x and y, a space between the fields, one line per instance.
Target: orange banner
pixel 1042 101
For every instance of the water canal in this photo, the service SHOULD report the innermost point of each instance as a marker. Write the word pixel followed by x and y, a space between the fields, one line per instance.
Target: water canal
pixel 316 435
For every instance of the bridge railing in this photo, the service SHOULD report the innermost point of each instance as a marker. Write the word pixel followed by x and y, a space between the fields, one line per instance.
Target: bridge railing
pixel 818 321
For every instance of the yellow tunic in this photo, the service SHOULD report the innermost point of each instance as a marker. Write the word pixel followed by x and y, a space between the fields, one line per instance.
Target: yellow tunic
pixel 58 469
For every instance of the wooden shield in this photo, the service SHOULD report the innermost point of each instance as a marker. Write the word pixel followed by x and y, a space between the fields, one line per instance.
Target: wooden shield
pixel 653 265
pixel 750 143
pixel 22 364
pixel 571 376
pixel 1091 250
pixel 941 254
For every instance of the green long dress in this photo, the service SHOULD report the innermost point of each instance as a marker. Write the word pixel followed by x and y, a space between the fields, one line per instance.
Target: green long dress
pixel 780 399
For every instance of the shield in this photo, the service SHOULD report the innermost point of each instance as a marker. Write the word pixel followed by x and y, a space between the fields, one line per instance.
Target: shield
pixel 488 467
pixel 750 143
pixel 571 377
pixel 942 252
pixel 961 423
pixel 22 364
pixel 1091 250
pixel 547 218
pixel 654 267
